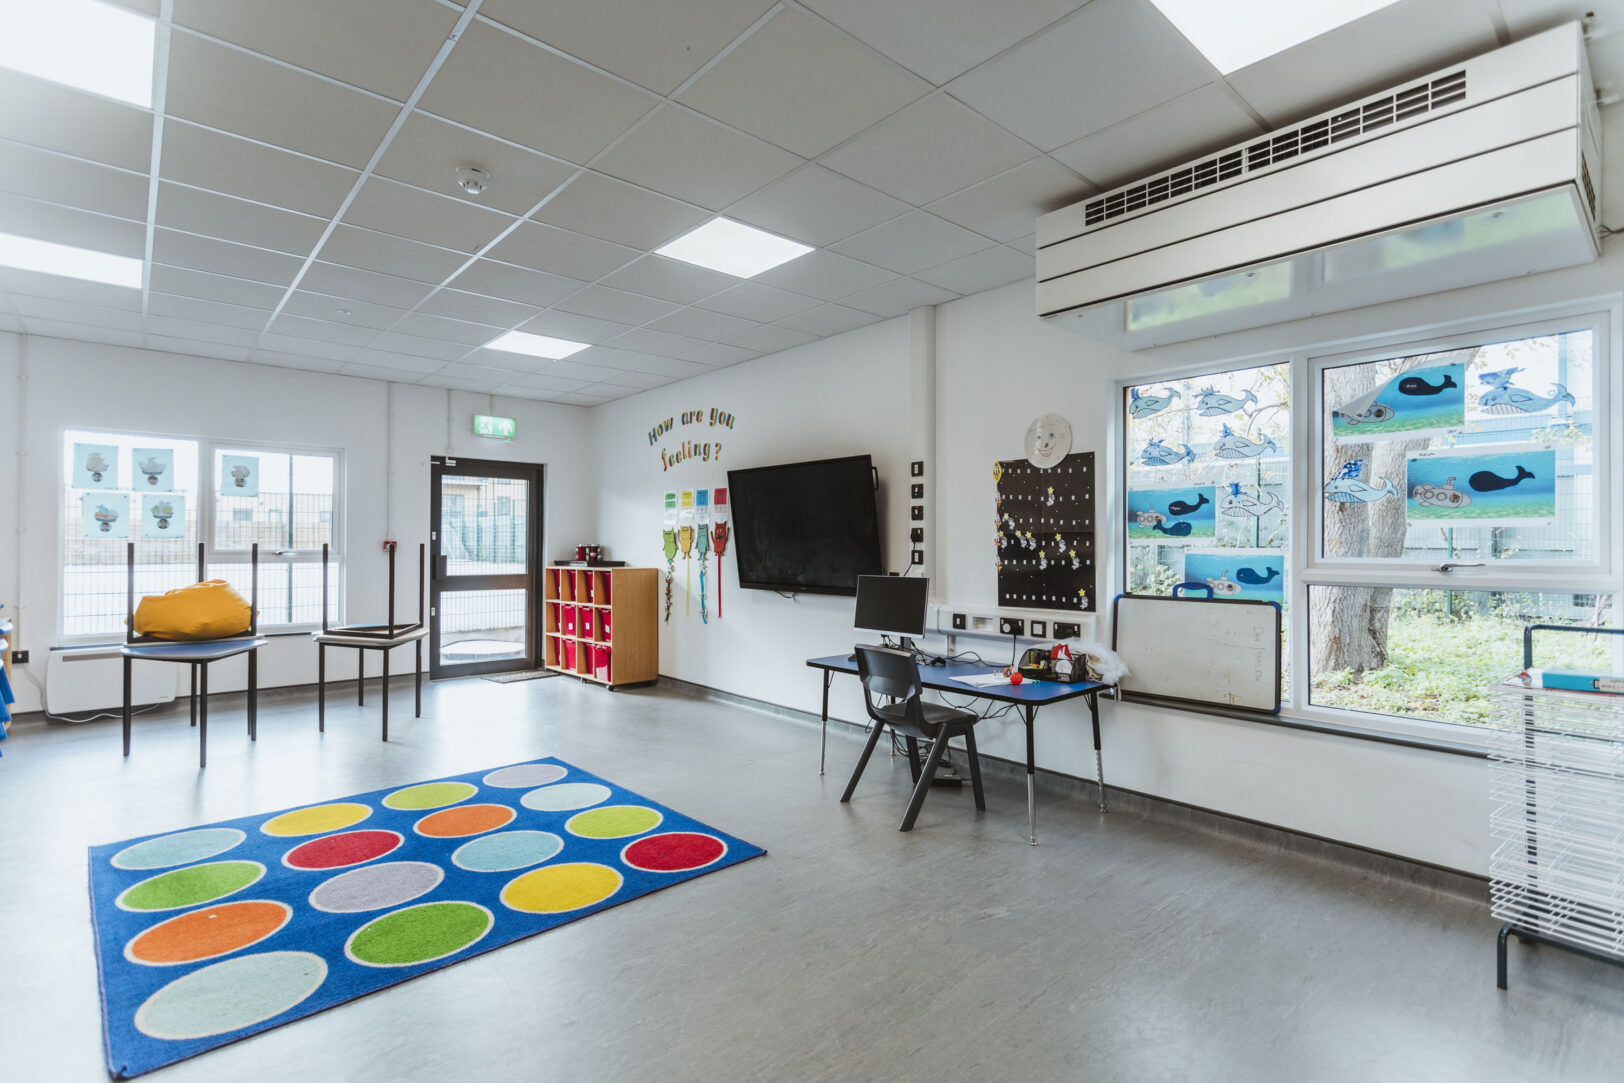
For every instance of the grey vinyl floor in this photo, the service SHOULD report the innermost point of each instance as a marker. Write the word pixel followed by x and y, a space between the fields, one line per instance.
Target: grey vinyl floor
pixel 1118 949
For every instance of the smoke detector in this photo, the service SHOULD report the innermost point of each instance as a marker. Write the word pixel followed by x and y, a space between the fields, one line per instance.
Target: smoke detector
pixel 472 179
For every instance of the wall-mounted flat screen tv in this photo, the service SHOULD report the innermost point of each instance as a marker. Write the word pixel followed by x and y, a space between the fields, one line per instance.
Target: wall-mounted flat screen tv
pixel 809 528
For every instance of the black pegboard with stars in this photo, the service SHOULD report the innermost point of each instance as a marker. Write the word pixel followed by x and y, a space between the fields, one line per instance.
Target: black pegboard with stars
pixel 1045 544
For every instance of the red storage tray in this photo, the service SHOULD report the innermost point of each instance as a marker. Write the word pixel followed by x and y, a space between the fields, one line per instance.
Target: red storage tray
pixel 586 623
pixel 600 663
pixel 607 627
pixel 566 619
pixel 569 653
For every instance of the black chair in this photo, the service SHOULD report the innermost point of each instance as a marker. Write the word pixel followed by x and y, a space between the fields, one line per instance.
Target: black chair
pixel 894 674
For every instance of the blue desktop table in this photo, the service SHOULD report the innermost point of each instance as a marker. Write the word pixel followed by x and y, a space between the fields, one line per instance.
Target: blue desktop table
pixel 1028 696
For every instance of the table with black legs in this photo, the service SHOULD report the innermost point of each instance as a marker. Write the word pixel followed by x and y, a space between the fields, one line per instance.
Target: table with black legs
pixel 1028 696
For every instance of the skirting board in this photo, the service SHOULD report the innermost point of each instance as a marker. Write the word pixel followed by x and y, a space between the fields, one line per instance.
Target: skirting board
pixel 1159 809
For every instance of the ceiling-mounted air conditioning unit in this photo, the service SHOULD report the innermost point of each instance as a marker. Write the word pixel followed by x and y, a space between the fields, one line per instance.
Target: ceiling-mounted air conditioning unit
pixel 1483 171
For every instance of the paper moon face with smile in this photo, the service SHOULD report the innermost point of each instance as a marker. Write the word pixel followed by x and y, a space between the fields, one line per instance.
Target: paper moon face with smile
pixel 1048 440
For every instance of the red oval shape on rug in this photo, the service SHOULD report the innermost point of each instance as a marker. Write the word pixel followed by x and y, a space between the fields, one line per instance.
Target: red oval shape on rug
pixel 339 851
pixel 674 851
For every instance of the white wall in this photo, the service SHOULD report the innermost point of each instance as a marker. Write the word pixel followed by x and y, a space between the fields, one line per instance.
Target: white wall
pixel 385 449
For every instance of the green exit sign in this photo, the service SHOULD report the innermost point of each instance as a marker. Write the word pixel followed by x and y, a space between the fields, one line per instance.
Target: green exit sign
pixel 500 428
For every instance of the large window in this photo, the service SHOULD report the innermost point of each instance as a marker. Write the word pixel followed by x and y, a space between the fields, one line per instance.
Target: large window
pixel 1452 492
pixel 164 494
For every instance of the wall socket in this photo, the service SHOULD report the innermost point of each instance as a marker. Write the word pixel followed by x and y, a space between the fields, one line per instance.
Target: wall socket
pixel 917 512
pixel 916 535
pixel 918 557
pixel 1040 629
pixel 19 658
pixel 1012 626
pixel 917 468
pixel 918 492
pixel 958 622
pixel 1067 630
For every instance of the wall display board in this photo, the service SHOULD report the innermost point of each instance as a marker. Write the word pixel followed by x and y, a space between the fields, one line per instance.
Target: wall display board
pixel 1199 650
pixel 1045 523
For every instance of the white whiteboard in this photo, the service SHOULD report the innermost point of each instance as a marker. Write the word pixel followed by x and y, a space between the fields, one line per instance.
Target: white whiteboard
pixel 1221 652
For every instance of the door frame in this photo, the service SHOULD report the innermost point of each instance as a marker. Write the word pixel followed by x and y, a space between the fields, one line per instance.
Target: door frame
pixel 530 580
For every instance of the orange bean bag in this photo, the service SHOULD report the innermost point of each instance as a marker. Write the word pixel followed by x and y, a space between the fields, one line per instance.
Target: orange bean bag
pixel 208 610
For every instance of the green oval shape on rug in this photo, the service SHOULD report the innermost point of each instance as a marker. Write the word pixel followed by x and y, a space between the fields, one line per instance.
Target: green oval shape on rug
pixel 419 934
pixel 613 822
pixel 430 795
pixel 191 887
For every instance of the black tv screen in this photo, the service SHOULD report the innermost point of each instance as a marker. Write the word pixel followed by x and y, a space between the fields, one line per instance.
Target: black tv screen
pixel 810 528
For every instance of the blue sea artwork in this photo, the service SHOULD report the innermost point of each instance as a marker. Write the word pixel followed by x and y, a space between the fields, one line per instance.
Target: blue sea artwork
pixel 154 469
pixel 1251 574
pixel 1499 377
pixel 1143 406
pixel 1239 503
pixel 1156 453
pixel 105 515
pixel 1350 487
pixel 1505 399
pixel 239 475
pixel 1172 514
pixel 163 515
pixel 95 466
pixel 1488 485
pixel 1418 402
pixel 1232 445
pixel 1214 403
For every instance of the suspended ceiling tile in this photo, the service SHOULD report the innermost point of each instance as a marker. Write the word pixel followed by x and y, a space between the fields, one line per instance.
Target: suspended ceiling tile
pixel 306 362
pixel 898 296
pixel 56 309
pixel 1027 244
pixel 755 301
pixel 695 159
pixel 347 311
pixel 43 114
pixel 618 306
pixel 616 211
pixel 379 45
pixel 824 275
pixel 800 85
pixel 380 372
pixel 985 270
pixel 542 247
pixel 770 339
pixel 637 381
pixel 369 286
pixel 817 206
pixel 584 400
pixel 238 167
pixel 419 347
pixel 427 151
pixel 84 332
pixel 940 39
pixel 670 366
pixel 702 324
pixel 826 320
pixel 223 257
pixel 1007 206
pixel 476 309
pixel 1111 60
pixel 66 225
pixel 388 207
pixel 191 308
pixel 244 337
pixel 933 147
pixel 390 255
pixel 1412 38
pixel 341 333
pixel 658 343
pixel 185 282
pixel 468 378
pixel 519 284
pixel 500 84
pixel 438 327
pixel 196 211
pixel 718 355
pixel 534 382
pixel 1186 128
pixel 71 182
pixel 574 327
pixel 146 7
pixel 669 279
pixel 508 361
pixel 234 91
pixel 197 348
pixel 609 358
pixel 33 284
pixel 307 347
pixel 404 362
pixel 568 370
pixel 911 243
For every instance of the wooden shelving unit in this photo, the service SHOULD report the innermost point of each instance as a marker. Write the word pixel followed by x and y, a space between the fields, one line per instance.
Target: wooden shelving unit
pixel 602 624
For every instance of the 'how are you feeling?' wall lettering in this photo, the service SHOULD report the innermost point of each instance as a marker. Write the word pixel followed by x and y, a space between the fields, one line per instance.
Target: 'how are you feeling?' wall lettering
pixel 703 450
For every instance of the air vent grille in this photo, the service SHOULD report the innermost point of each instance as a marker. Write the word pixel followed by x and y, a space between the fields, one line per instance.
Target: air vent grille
pixel 1590 189
pixel 1400 106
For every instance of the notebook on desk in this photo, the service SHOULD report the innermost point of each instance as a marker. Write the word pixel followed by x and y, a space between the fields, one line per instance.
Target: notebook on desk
pixel 982 680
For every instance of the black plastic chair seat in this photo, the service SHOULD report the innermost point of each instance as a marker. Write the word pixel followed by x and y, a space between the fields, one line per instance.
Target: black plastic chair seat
pixel 935 715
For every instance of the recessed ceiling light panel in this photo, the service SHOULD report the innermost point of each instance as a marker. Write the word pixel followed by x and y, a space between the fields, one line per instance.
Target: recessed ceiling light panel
pixel 1235 33
pixel 733 248
pixel 85 44
pixel 553 349
pixel 28 254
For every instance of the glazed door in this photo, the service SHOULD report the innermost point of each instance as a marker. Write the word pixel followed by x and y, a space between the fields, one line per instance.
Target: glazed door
pixel 485 563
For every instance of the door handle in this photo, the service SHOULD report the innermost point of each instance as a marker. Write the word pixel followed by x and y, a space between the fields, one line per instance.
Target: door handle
pixel 440 571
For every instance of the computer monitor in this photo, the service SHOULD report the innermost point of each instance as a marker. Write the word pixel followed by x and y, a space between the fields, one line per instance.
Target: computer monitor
pixel 892 603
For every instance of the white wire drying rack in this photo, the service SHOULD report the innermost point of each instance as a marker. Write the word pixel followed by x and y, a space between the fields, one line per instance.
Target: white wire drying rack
pixel 1557 783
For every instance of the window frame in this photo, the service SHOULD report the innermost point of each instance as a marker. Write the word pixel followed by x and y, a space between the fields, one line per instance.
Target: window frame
pixel 1603 316
pixel 205 497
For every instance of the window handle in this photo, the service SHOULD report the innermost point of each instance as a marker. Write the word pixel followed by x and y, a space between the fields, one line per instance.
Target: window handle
pixel 1451 565
pixel 287 552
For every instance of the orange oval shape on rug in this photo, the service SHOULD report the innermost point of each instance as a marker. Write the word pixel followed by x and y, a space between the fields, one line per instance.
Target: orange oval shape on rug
pixel 463 820
pixel 208 933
